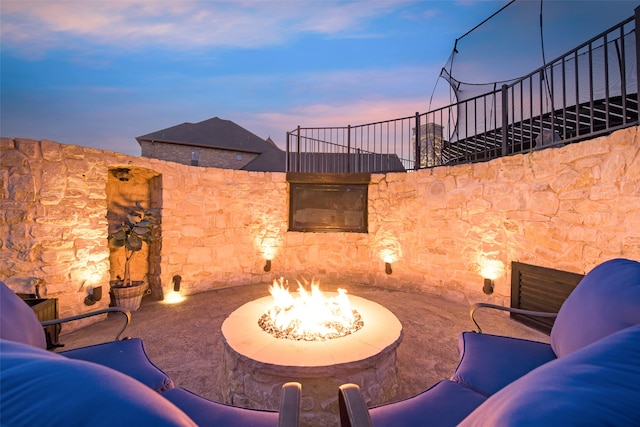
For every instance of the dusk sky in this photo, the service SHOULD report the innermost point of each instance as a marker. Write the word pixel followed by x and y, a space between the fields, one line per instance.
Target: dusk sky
pixel 100 73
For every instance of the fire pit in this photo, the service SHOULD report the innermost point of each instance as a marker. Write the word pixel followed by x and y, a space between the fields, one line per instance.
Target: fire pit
pixel 257 361
pixel 311 316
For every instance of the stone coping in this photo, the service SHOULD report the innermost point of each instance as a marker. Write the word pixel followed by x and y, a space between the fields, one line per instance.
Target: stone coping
pixel 242 333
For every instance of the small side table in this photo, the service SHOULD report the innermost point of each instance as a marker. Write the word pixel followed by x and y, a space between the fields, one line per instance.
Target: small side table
pixel 45 309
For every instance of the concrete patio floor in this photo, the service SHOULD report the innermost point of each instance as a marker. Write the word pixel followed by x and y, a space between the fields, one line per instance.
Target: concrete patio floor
pixel 185 340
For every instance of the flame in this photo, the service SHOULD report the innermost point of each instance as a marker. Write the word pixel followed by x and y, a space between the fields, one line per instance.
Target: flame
pixel 310 315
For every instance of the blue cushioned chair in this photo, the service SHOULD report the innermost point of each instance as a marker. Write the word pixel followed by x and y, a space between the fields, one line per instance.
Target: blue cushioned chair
pixel 593 355
pixel 207 413
pixel 107 384
pixel 42 388
pixel 19 323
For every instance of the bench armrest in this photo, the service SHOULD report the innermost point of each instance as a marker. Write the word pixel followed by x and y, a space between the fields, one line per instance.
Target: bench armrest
pixel 476 306
pixel 126 313
pixel 353 409
pixel 289 413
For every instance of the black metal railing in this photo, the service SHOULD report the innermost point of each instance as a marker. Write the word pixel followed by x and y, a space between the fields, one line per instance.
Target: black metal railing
pixel 587 92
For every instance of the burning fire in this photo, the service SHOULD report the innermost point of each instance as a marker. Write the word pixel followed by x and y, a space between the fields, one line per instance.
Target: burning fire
pixel 309 316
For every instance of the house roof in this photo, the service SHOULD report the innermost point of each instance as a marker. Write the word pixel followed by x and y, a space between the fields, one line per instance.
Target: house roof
pixel 271 160
pixel 211 133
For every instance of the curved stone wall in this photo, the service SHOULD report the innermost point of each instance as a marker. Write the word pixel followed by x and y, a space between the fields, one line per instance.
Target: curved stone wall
pixel 568 208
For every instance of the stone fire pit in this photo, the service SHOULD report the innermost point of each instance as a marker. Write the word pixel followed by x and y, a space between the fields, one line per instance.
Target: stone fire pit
pixel 256 363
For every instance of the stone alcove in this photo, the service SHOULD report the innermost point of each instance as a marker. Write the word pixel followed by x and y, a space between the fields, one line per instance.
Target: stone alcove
pixel 127 185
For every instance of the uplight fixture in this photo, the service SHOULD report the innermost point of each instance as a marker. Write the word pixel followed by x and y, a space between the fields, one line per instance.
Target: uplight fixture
pixel 95 295
pixel 176 282
pixel 387 268
pixel 488 286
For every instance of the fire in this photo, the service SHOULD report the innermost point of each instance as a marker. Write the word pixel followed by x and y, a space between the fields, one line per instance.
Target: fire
pixel 309 316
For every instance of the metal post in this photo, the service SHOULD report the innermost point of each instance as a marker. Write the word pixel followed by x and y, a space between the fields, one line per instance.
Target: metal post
pixel 417 161
pixel 299 155
pixel 288 160
pixel 637 24
pixel 348 148
pixel 505 118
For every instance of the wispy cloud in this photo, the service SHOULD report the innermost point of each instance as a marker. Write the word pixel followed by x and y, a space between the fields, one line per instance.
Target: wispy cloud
pixel 277 123
pixel 37 26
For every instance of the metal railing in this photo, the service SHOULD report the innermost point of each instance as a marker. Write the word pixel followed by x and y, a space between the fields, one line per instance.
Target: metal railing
pixel 587 92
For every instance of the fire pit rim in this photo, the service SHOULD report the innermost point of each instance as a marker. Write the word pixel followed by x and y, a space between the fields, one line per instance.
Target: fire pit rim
pixel 381 330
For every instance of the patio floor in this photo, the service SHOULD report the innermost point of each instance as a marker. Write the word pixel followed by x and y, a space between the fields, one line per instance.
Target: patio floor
pixel 185 340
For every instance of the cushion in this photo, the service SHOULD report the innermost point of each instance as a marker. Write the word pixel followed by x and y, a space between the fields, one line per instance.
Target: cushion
pixel 208 413
pixel 45 389
pixel 444 404
pixel 595 386
pixel 18 322
pixel 126 356
pixel 490 362
pixel 606 300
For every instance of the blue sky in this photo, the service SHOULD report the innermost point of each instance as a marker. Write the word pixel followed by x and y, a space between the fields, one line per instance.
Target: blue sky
pixel 100 73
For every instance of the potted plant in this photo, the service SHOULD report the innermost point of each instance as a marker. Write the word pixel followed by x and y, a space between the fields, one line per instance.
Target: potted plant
pixel 136 230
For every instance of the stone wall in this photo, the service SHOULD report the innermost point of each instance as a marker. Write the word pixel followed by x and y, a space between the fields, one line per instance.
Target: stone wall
pixel 443 229
pixel 207 157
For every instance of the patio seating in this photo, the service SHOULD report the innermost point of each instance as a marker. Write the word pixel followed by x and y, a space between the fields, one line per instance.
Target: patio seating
pixel 47 389
pixel 588 375
pixel 104 384
pixel 207 413
pixel 19 323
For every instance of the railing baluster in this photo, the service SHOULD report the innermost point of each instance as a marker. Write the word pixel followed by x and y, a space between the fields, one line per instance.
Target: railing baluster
pixel 417 142
pixel 505 117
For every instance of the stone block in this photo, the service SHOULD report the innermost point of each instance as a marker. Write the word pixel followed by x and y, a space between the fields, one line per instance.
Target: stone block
pixel 614 165
pixel 543 202
pixel 51 151
pixel 73 152
pixel 607 191
pixel 592 148
pixel 57 255
pixel 13 159
pixel 21 188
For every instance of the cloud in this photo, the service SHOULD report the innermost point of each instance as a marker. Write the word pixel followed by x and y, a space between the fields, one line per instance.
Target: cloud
pixel 39 26
pixel 276 123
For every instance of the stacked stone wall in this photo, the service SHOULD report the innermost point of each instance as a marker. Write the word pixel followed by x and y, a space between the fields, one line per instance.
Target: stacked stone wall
pixel 444 229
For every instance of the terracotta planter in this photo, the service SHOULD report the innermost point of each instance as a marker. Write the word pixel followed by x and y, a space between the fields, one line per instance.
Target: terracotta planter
pixel 128 297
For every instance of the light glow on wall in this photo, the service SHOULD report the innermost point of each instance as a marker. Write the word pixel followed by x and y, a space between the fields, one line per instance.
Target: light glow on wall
pixel 93 278
pixel 389 248
pixel 268 249
pixel 490 268
pixel 267 236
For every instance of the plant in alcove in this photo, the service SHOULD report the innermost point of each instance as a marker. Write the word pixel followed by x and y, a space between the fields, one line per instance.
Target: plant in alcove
pixel 138 229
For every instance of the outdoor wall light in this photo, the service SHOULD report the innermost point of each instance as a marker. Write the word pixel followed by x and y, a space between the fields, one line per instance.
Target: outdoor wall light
pixel 176 282
pixel 267 265
pixel 488 286
pixel 389 252
pixel 95 295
